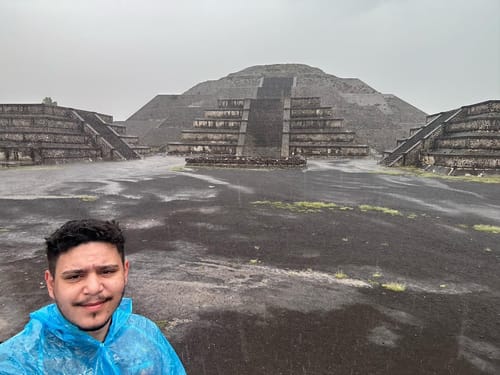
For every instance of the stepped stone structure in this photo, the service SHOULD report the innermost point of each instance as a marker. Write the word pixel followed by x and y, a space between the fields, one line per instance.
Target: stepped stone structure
pixel 46 134
pixel 377 119
pixel 465 138
pixel 273 125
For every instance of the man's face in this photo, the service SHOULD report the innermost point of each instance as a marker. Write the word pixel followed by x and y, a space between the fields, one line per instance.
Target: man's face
pixel 88 285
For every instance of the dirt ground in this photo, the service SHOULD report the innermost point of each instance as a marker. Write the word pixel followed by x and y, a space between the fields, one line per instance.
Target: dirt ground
pixel 279 271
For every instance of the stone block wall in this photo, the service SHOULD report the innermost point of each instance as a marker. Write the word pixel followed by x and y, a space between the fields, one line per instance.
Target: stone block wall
pixel 469 142
pixel 218 124
pixel 217 133
pixel 312 112
pixel 306 102
pixel 322 137
pixel 210 137
pixel 31 137
pixel 278 128
pixel 460 161
pixel 33 109
pixel 474 124
pixel 119 129
pixel 328 151
pixel 321 123
pixel 230 103
pixel 471 139
pixel 39 133
pixel 189 149
pixel 44 121
pixel 467 139
pixel 488 107
pixel 223 113
pixel 314 132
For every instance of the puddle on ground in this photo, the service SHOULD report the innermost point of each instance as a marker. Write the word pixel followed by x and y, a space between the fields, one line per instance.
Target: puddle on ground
pixel 383 336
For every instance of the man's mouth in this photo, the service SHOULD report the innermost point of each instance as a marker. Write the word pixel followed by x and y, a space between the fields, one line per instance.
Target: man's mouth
pixel 94 305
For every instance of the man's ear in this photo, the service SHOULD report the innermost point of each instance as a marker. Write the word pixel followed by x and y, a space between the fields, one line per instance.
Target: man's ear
pixel 126 267
pixel 49 280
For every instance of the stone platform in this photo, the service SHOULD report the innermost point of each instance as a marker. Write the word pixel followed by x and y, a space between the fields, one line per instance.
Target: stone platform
pixel 45 134
pixel 232 161
pixel 467 138
pixel 273 125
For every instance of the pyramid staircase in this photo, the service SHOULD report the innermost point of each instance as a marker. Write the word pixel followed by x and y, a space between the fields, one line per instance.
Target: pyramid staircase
pixel 464 138
pixel 273 125
pixel 44 134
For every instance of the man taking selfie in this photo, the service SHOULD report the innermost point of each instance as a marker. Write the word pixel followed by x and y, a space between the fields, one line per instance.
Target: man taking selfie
pixel 90 329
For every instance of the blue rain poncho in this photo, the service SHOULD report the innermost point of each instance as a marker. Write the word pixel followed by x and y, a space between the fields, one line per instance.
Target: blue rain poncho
pixel 49 344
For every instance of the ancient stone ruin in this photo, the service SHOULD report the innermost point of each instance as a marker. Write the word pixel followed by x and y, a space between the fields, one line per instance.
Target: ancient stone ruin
pixel 377 119
pixel 467 138
pixel 48 134
pixel 274 125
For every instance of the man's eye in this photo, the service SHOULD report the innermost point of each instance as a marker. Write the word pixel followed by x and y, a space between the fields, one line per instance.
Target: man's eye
pixel 108 272
pixel 72 277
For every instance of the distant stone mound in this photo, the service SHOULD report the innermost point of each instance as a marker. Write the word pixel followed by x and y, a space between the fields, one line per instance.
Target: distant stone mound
pixel 377 119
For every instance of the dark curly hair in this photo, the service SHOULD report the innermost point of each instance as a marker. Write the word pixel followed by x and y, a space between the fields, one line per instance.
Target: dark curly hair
pixel 77 232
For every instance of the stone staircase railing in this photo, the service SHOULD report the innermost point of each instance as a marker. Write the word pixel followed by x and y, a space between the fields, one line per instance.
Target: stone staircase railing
pixel 416 140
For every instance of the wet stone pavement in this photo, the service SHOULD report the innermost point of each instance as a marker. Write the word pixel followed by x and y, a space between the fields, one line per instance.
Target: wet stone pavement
pixel 279 271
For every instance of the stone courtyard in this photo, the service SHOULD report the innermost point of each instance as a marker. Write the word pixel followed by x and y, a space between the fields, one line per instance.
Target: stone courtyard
pixel 291 271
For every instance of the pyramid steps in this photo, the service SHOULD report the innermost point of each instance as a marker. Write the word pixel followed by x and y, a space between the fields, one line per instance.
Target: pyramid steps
pixel 43 134
pixel 464 138
pixel 271 126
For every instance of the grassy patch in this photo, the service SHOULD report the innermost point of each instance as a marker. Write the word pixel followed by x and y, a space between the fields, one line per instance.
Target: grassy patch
pixel 484 180
pixel 312 207
pixel 303 206
pixel 385 210
pixel 3 230
pixel 412 216
pixel 88 198
pixel 178 168
pixel 487 228
pixel 162 324
pixel 395 287
pixel 393 172
pixel 340 275
pixel 377 275
pixel 495 179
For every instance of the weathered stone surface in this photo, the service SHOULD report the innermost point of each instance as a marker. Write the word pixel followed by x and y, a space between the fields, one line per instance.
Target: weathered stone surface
pixel 378 119
pixel 465 138
pixel 322 137
pixel 38 133
pixel 272 126
pixel 247 161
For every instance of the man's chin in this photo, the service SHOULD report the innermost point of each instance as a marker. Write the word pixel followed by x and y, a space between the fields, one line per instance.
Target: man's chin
pixel 95 327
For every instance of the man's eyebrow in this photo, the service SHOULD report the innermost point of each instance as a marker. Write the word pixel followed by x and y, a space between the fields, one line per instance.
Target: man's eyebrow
pixel 81 271
pixel 108 267
pixel 74 272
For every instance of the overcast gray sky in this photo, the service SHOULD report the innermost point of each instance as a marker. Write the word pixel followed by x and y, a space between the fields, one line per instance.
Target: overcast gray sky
pixel 113 56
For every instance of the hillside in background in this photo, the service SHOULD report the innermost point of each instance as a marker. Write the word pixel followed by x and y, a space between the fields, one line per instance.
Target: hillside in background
pixel 378 119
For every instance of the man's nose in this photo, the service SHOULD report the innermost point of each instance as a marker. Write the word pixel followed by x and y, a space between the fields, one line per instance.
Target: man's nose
pixel 93 284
